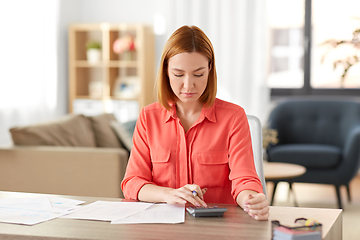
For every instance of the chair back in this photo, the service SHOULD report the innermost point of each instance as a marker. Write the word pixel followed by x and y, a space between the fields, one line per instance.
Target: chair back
pixel 314 121
pixel 257 145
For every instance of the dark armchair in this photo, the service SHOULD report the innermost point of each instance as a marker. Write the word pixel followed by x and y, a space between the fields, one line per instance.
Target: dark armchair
pixel 321 135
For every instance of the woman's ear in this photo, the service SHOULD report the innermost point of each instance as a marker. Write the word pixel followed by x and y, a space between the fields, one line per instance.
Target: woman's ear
pixel 210 65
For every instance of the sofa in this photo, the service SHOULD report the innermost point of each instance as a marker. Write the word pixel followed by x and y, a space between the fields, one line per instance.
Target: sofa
pixel 73 155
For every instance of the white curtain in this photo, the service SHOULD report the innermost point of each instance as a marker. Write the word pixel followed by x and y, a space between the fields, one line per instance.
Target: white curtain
pixel 33 59
pixel 28 60
pixel 237 30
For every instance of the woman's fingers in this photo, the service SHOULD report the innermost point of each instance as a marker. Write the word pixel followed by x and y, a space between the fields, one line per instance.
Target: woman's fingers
pixel 196 198
pixel 190 193
pixel 260 211
pixel 176 199
pixel 257 206
pixel 193 194
pixel 203 192
pixel 261 217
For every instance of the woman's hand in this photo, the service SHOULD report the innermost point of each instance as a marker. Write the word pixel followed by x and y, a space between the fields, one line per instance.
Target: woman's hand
pixel 190 193
pixel 153 193
pixel 255 204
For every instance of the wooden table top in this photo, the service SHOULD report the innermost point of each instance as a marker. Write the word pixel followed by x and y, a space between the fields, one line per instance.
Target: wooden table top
pixel 235 224
pixel 278 171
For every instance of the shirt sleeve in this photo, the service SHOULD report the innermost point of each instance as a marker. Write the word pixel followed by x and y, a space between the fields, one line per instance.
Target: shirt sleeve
pixel 138 171
pixel 243 174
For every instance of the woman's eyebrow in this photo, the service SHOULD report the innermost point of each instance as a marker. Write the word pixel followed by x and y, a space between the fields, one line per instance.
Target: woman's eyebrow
pixel 177 69
pixel 200 68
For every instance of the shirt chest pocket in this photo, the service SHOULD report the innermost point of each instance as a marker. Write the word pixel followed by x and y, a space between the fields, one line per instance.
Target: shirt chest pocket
pixel 162 168
pixel 211 169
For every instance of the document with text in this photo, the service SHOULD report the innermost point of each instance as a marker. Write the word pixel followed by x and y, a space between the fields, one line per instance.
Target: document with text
pixel 34 210
pixel 107 211
pixel 129 212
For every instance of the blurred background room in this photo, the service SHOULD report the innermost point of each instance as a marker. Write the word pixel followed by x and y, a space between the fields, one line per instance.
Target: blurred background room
pixel 266 51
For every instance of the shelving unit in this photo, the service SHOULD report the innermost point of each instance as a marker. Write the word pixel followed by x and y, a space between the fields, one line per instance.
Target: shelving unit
pixel 115 78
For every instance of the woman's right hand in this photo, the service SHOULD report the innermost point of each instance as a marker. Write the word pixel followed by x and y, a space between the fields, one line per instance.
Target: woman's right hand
pixel 185 194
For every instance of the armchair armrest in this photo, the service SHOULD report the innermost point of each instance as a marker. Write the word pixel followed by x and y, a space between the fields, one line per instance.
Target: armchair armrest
pixel 351 153
pixel 82 171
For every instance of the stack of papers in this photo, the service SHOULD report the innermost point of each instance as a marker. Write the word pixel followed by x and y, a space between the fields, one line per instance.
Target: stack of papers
pixel 30 211
pixel 33 210
pixel 283 233
pixel 130 212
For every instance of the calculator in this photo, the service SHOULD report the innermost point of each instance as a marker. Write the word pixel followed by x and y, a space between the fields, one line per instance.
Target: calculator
pixel 210 211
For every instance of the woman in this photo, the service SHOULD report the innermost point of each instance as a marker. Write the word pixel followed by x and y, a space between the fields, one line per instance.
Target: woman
pixel 190 141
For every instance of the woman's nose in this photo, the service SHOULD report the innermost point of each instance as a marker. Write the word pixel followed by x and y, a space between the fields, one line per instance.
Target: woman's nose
pixel 188 82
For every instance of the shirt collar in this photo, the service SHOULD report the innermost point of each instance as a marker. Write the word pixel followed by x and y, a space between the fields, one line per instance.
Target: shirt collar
pixel 208 113
pixel 171 113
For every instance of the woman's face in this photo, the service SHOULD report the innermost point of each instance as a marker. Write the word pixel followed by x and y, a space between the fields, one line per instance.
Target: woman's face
pixel 188 74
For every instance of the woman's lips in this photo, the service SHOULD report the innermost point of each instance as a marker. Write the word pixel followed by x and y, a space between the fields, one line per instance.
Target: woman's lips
pixel 189 94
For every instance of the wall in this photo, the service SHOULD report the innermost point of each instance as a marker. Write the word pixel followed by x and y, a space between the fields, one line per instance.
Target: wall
pixel 33 76
pixel 114 11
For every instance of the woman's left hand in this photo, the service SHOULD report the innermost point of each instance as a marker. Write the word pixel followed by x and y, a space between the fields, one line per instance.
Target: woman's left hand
pixel 256 205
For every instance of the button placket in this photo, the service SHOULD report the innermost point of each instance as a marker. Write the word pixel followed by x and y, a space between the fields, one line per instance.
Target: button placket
pixel 182 156
pixel 191 138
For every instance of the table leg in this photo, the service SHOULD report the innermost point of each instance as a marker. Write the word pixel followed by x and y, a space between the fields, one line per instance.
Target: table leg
pixel 273 194
pixel 293 193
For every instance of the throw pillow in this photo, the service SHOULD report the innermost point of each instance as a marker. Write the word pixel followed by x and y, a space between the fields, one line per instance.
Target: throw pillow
pixel 104 135
pixel 69 130
pixel 124 131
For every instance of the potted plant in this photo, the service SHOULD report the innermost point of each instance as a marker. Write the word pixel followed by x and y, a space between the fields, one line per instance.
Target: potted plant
pixel 269 136
pixel 93 52
pixel 351 60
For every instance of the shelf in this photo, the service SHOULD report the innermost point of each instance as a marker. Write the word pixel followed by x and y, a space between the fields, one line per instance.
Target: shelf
pixel 86 64
pixel 129 70
pixel 107 98
pixel 122 64
pixel 88 97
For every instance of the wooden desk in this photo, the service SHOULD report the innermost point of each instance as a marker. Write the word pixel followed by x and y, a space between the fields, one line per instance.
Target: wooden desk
pixel 235 224
pixel 276 172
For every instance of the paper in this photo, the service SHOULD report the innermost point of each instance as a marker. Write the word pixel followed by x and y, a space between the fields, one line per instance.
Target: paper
pixel 60 204
pixel 157 213
pixel 107 211
pixel 130 212
pixel 30 211
pixel 35 203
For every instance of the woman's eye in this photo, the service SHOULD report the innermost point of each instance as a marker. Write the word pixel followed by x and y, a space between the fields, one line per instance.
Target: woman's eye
pixel 178 75
pixel 199 75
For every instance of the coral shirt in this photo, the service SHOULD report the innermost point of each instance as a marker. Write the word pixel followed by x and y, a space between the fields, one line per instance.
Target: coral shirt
pixel 215 153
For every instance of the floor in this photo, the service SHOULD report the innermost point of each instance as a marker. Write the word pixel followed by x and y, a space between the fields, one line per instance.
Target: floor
pixel 324 196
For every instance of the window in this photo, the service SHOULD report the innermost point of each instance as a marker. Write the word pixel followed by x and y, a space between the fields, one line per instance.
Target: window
pixel 28 60
pixel 286 51
pixel 301 63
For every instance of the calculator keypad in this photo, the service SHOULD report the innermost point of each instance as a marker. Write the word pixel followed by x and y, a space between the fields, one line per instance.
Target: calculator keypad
pixel 210 211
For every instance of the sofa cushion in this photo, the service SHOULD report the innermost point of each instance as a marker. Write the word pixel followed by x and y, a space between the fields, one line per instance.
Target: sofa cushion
pixel 124 131
pixel 104 135
pixel 311 156
pixel 69 130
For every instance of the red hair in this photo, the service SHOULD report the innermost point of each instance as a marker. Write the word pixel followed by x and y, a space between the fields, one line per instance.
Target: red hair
pixel 186 39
